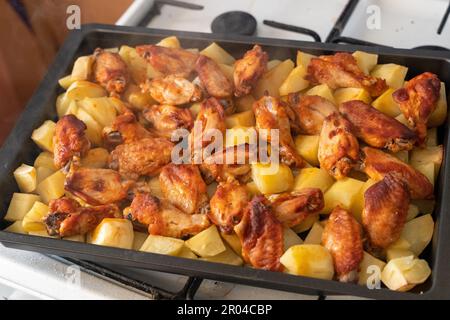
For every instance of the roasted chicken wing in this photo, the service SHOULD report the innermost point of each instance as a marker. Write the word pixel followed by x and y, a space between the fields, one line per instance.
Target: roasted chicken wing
pixel 164 219
pixel 342 236
pixel 385 209
pixel 227 205
pixel 165 119
pixel 377 164
pixel 212 77
pixel 248 70
pixel 125 129
pixel 377 129
pixel 270 114
pixel 172 90
pixel 67 218
pixel 341 71
pixel 110 71
pixel 70 140
pixel 292 208
pixel 417 101
pixel 169 61
pixel 261 235
pixel 338 148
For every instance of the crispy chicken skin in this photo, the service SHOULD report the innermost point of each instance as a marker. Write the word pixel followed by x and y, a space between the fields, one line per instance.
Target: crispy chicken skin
pixel 227 205
pixel 67 218
pixel 292 208
pixel 96 186
pixel 172 90
pixel 169 61
pixel 164 219
pixel 377 129
pixel 338 148
pixel 248 70
pixel 183 186
pixel 310 112
pixel 125 129
pixel 377 164
pixel 417 101
pixel 110 71
pixel 342 237
pixel 270 113
pixel 261 235
pixel 143 157
pixel 385 209
pixel 165 119
pixel 69 140
pixel 213 78
pixel 341 71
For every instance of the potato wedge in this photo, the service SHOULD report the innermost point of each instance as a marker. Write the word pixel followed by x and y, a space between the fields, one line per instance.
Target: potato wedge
pixel 19 206
pixel 290 238
pixel 294 82
pixel 94 129
pixel 344 193
pixel 138 67
pixel 439 115
pixel 45 159
pixel 323 91
pixel 43 136
pixel 306 224
pixel 402 274
pixel 96 158
pixel 272 80
pixel 66 81
pixel 365 61
pixel 418 233
pixel 394 74
pixel 273 63
pixel 16 227
pixel 136 98
pixel 240 135
pixel 26 178
pixel 187 253
pixel 162 245
pixel 386 104
pixel 233 241
pixel 85 89
pixel 428 170
pixel 241 119
pixel 82 68
pixel 63 104
pixel 207 243
pixel 52 187
pixel 272 178
pixel 358 204
pixel 218 54
pixel 113 232
pixel 303 59
pixel 100 109
pixel 424 156
pixel 33 220
pixel 398 253
pixel 370 269
pixel 226 257
pixel 169 42
pixel 346 94
pixel 43 173
pixel 228 71
pixel 315 234
pixel 313 178
pixel 308 147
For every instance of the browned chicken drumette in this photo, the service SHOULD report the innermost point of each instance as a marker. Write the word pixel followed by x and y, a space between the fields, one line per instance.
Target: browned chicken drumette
pixel 338 148
pixel 417 101
pixel 110 71
pixel 270 114
pixel 341 71
pixel 248 70
pixel 67 218
pixel 182 185
pixel 213 78
pixel 70 140
pixel 342 236
pixel 164 219
pixel 261 235
pixel 169 61
pixel 227 205
pixel 377 164
pixel 385 209
pixel 294 207
pixel 377 129
pixel 166 119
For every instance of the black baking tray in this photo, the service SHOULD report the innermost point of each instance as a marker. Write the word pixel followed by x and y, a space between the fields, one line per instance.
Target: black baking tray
pixel 19 148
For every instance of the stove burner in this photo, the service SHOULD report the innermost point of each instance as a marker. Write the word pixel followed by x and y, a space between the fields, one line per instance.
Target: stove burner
pixel 234 22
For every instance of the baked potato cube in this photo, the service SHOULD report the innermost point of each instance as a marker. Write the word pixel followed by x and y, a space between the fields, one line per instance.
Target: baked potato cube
pixel 52 187
pixel 84 89
pixel 63 105
pixel 401 118
pixel 307 147
pixel 344 192
pixel 294 82
pixel 346 94
pixel 100 109
pixel 358 205
pixel 240 135
pixel 402 274
pixel 428 170
pixel 20 204
pixel 309 260
pixel 233 241
pixel 321 90
pixel 218 54
pixel 394 74
pixel 313 178
pixel 114 232
pixel 386 104
pixel 162 245
pixel 273 63
pixel 207 243
pixel 169 42
pixel 315 234
pixel 425 206
pixel 418 233
pixel 397 253
pixel 428 155
pixel 432 139
pixel 413 211
pixel 26 178
pixel 365 61
pixel 306 224
pixel 272 178
pixel 155 187
pixel 271 81
pixel 366 268
pixel 400 244
pixel 228 71
pixel 94 129
pixel 241 119
pixel 226 257
pixel 290 238
pixel 76 238
pixel 136 98
pixel 139 239
pixel 244 103
pixel 439 115
pixel 402 155
pixel 96 158
pixel 43 173
pixel 253 189
pixel 66 81
pixel 187 253
pixel 140 70
pixel 33 220
pixel 45 159
pixel 43 136
pixel 303 59
pixel 82 68
pixel 16 227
